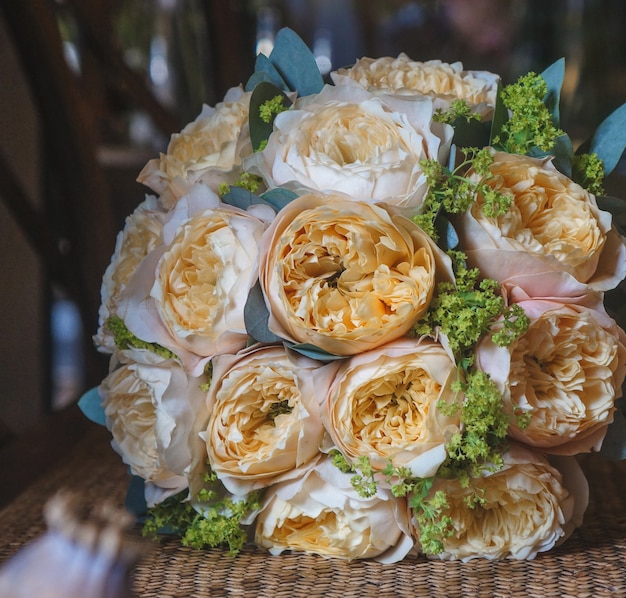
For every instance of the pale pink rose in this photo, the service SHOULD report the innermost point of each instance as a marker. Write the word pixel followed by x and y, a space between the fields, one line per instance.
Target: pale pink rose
pixel 530 505
pixel 565 374
pixel 261 426
pixel 346 140
pixel 209 150
pixel 553 225
pixel 189 293
pixel 442 81
pixel 150 405
pixel 345 275
pixel 140 235
pixel 320 513
pixel 382 404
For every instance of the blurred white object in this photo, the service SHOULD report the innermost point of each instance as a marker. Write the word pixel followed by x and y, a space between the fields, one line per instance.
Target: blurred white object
pixel 82 555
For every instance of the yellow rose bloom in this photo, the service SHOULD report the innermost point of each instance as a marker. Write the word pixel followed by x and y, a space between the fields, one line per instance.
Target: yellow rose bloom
pixel 382 404
pixel 346 140
pixel 346 276
pixel 435 78
pixel 520 510
pixel 209 149
pixel 553 225
pixel 261 425
pixel 565 374
pixel 320 513
pixel 140 235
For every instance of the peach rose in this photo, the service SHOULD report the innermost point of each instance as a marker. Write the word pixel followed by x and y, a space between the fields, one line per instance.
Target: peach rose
pixel 442 81
pixel 346 140
pixel 140 235
pixel 553 225
pixel 382 404
pixel 150 405
pixel 528 506
pixel 320 513
pixel 209 149
pixel 189 293
pixel 565 373
pixel 346 276
pixel 261 425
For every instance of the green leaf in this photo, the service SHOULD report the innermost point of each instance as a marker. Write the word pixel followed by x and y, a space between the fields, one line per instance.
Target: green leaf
pixel 264 70
pixel 500 116
pixel 563 152
pixel 470 133
pixel 617 207
pixel 314 352
pixel 554 76
pixel 609 140
pixel 614 445
pixel 256 316
pixel 279 197
pixel 241 198
pixel 259 129
pixel 91 406
pixel 448 237
pixel 295 63
pixel 135 501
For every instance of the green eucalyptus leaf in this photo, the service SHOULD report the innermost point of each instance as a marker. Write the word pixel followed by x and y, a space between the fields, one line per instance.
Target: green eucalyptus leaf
pixel 313 352
pixel 470 133
pixel 279 197
pixel 609 140
pixel 295 63
pixel 241 198
pixel 562 153
pixel 554 76
pixel 259 129
pixel 91 406
pixel 500 116
pixel 448 237
pixel 256 316
pixel 265 71
pixel 135 500
pixel 617 207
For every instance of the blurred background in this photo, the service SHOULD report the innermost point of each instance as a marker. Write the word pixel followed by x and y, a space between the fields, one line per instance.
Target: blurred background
pixel 92 89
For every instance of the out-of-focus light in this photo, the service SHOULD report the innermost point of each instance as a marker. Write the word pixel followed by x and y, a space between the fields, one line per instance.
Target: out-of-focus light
pixel 322 50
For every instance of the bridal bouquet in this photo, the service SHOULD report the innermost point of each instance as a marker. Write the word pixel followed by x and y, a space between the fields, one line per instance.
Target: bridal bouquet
pixel 370 317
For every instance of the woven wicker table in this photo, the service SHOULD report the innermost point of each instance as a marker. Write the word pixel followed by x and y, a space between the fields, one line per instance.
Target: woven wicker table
pixel 592 563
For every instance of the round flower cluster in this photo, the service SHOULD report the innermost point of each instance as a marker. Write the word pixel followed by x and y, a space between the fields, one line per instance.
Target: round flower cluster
pixel 286 341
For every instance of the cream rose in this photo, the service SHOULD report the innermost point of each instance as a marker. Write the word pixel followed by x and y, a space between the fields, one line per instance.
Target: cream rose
pixel 553 225
pixel 528 506
pixel 320 513
pixel 346 275
pixel 140 235
pixel 150 405
pixel 382 404
pixel 209 149
pixel 189 293
pixel 261 425
pixel 565 374
pixel 442 81
pixel 349 141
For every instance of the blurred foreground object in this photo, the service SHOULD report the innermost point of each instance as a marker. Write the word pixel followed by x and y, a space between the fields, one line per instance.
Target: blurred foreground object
pixel 82 555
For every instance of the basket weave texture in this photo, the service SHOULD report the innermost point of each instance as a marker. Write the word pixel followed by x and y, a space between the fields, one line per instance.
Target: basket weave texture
pixel 591 563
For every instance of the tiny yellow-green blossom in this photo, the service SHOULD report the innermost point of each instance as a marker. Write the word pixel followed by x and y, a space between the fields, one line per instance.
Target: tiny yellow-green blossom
pixel 458 109
pixel 588 172
pixel 124 339
pixel 530 123
pixel 269 109
pixel 452 192
pixel 248 181
pixel 219 524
